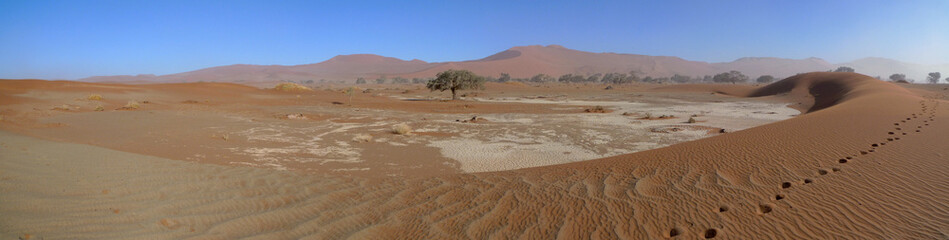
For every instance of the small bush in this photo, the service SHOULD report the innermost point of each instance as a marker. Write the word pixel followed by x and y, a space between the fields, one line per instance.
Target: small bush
pixel 100 108
pixel 401 129
pixel 131 105
pixel 691 120
pixel 94 97
pixel 596 109
pixel 291 87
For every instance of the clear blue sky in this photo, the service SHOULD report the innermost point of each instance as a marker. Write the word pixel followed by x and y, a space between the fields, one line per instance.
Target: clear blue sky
pixel 75 39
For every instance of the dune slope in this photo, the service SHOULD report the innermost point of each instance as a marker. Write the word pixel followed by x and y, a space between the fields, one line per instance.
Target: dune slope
pixel 868 161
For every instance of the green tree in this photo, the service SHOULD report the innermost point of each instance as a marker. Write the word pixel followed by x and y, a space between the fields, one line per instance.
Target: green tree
pixel 455 80
pixel 896 77
pixel 844 69
pixel 542 78
pixel 681 79
pixel 360 81
pixel 730 77
pixel 504 77
pixel 765 79
pixel 934 77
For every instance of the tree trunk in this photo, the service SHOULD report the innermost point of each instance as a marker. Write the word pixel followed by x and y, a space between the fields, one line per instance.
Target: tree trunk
pixel 454 96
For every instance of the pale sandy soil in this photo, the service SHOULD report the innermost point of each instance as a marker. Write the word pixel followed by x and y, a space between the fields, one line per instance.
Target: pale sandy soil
pixel 866 160
pixel 268 129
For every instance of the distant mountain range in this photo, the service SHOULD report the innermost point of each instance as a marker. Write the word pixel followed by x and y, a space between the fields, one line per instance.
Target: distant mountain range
pixel 524 62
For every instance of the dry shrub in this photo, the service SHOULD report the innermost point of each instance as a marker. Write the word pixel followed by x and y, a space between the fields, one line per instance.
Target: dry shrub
pixel 297 116
pixel 94 97
pixel 291 87
pixel 131 105
pixel 596 109
pixel 401 129
pixel 363 138
pixel 64 107
pixel 100 108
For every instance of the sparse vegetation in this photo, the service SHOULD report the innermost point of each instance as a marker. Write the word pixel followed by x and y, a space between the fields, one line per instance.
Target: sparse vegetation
pixel 131 105
pixel 455 80
pixel 64 107
pixel 100 108
pixel 94 97
pixel 730 77
pixel 934 77
pixel 296 116
pixel 360 81
pixel 691 120
pixel 291 87
pixel 765 79
pixel 844 69
pixel 401 129
pixel 362 138
pixel 596 109
pixel 898 77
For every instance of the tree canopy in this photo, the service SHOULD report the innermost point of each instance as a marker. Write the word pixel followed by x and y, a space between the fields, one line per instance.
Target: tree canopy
pixel 455 80
pixel 730 77
pixel 896 77
pixel 934 77
pixel 765 79
pixel 844 69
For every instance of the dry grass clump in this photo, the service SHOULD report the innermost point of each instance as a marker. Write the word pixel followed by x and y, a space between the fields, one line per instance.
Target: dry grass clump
pixel 649 116
pixel 362 138
pixel 100 108
pixel 64 107
pixel 297 116
pixel 596 109
pixel 94 97
pixel 401 129
pixel 291 87
pixel 131 105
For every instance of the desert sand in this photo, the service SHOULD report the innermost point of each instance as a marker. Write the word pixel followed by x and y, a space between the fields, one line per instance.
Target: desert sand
pixel 853 157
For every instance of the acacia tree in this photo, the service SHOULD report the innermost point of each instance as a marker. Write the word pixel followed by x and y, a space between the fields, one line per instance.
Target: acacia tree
pixel 730 77
pixel 934 77
pixel 844 69
pixel 765 79
pixel 455 80
pixel 896 77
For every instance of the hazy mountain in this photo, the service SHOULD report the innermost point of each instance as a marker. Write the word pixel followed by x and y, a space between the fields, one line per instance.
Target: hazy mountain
pixel 524 62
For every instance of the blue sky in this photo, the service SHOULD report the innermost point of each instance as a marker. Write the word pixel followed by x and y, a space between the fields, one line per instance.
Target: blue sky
pixel 75 39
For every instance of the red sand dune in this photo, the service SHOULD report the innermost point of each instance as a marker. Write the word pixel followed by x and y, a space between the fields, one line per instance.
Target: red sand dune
pixel 523 62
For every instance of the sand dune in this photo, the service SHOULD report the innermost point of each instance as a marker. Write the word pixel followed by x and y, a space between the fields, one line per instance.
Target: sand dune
pixel 867 161
pixel 524 62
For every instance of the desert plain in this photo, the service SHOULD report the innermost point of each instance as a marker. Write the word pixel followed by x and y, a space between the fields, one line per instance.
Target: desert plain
pixel 814 156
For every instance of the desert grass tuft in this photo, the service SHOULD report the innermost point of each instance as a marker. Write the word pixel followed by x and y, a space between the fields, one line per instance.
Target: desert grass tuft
pixel 401 129
pixel 94 97
pixel 291 87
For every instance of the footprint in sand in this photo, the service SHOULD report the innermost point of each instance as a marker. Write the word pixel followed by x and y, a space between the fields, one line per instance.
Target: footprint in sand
pixel 711 233
pixel 765 208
